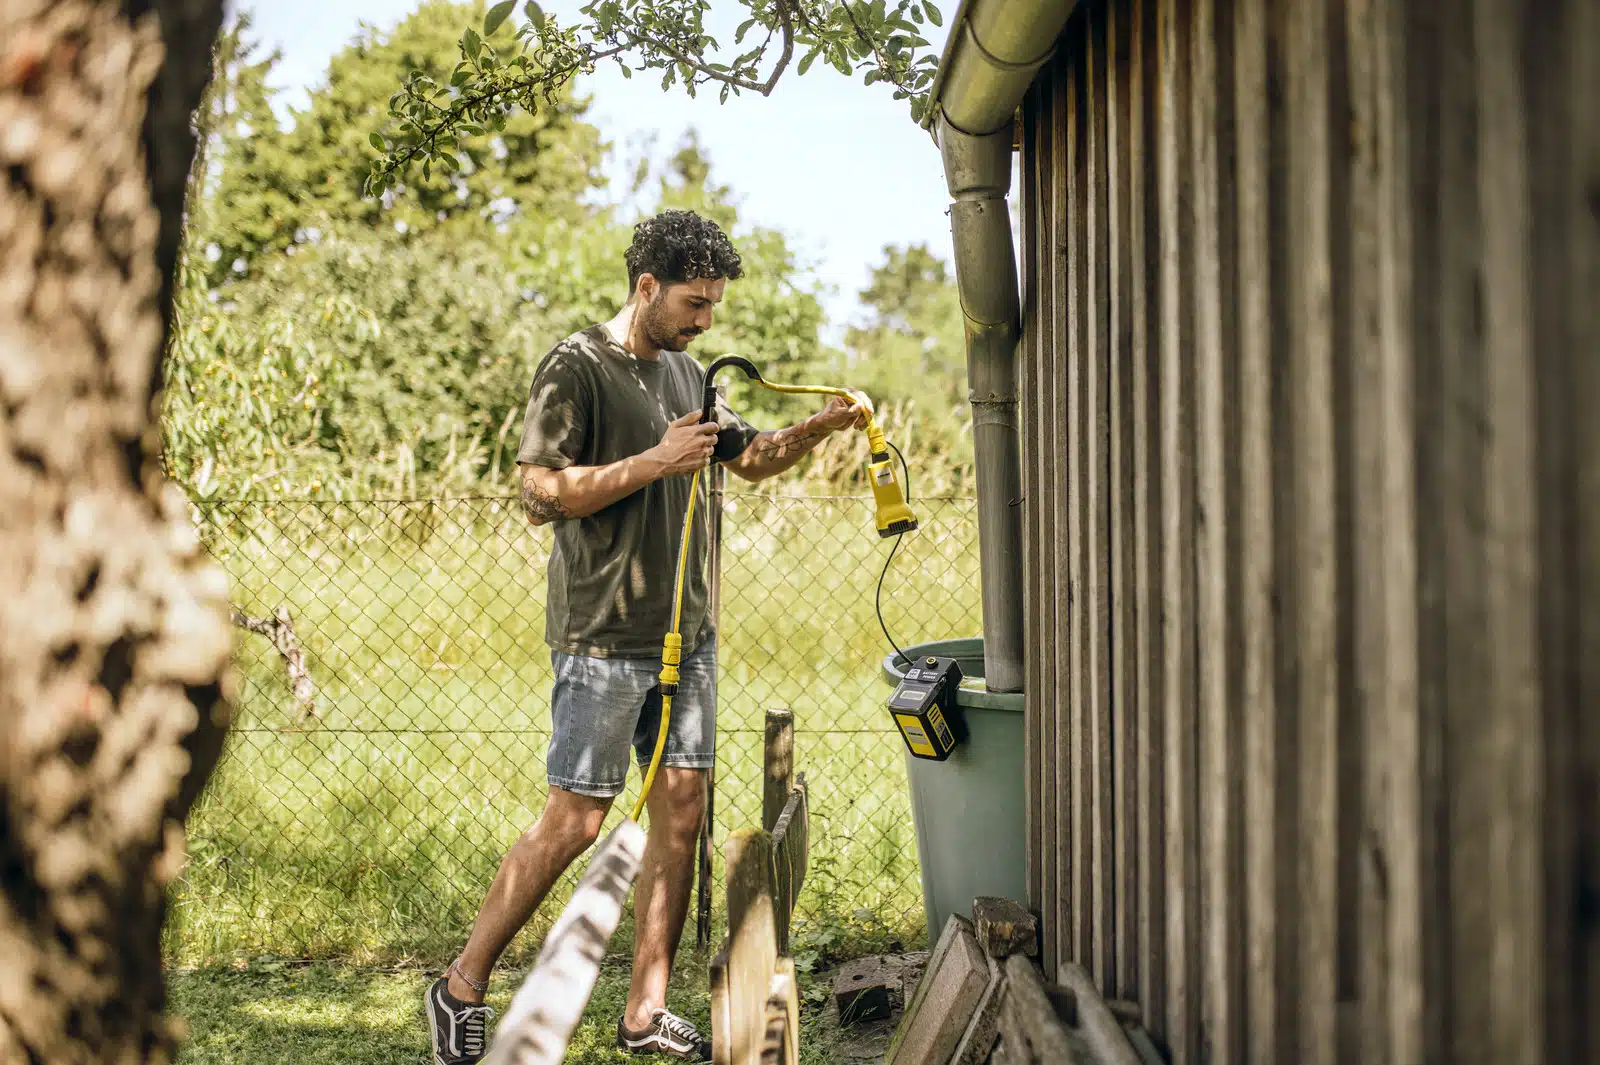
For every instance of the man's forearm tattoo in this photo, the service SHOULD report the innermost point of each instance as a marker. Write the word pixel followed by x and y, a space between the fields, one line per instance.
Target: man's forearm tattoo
pixel 541 506
pixel 772 447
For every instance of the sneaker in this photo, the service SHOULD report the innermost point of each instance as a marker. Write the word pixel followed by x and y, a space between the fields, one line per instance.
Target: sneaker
pixel 459 1029
pixel 667 1034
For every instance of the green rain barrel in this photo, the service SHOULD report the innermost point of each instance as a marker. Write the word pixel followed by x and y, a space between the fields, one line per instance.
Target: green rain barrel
pixel 968 809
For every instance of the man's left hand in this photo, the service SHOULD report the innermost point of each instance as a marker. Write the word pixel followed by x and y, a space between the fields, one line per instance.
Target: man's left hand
pixel 841 413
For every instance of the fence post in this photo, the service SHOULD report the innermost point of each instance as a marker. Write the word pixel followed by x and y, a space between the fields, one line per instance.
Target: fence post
pixel 702 915
pixel 777 766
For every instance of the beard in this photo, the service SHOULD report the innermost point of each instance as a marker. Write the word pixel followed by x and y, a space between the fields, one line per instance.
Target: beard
pixel 661 331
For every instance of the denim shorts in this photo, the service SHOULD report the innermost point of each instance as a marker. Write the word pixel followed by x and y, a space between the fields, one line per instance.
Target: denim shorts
pixel 602 706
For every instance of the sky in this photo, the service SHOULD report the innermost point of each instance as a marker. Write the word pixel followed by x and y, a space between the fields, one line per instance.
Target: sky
pixel 838 166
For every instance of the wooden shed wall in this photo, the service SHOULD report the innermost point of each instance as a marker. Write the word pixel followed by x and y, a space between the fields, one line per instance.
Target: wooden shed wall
pixel 1311 415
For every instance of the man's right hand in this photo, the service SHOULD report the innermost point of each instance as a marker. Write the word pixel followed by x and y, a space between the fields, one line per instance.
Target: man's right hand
pixel 687 445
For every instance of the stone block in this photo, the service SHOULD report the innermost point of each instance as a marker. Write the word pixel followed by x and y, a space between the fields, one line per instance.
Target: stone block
pixel 1004 928
pixel 861 990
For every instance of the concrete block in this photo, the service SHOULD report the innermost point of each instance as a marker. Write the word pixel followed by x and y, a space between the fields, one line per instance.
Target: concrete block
pixel 1004 928
pixel 861 990
pixel 946 999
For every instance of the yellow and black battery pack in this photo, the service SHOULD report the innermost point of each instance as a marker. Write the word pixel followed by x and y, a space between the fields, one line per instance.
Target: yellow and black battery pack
pixel 924 708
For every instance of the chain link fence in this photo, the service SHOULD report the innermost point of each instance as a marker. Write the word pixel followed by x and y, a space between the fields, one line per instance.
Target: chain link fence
pixel 392 715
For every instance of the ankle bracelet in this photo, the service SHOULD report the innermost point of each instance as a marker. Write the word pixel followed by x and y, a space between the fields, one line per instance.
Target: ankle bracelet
pixel 455 967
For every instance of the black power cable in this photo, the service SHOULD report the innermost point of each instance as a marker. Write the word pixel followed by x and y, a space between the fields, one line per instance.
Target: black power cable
pixel 877 599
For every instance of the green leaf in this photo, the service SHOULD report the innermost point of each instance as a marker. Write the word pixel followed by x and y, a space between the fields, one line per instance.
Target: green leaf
pixel 738 38
pixel 916 15
pixel 627 71
pixel 805 63
pixel 472 44
pixel 933 13
pixel 497 14
pixel 535 14
pixel 460 78
pixel 725 90
pixel 377 142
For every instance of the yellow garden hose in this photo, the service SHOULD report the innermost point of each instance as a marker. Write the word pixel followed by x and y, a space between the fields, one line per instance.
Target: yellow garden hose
pixel 894 517
pixel 671 651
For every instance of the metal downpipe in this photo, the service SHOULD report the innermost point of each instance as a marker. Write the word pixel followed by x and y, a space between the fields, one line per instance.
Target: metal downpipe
pixel 978 172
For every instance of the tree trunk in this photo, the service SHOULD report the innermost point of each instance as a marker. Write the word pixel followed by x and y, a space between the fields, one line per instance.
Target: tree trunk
pixel 114 633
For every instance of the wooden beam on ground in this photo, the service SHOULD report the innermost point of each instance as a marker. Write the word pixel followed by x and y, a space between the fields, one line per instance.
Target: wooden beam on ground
pixel 777 766
pixel 545 1012
pixel 1107 1040
pixel 1030 1031
pixel 752 951
pixel 791 841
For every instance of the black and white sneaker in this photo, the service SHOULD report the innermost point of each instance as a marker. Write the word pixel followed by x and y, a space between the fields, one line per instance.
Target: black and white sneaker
pixel 459 1029
pixel 667 1034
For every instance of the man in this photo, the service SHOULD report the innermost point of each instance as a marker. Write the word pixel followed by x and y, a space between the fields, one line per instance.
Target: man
pixel 610 440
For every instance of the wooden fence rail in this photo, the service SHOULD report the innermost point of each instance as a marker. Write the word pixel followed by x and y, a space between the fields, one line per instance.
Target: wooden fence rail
pixel 546 1009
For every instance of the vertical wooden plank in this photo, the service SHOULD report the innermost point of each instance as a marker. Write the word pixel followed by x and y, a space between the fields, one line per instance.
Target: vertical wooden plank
pixel 1096 313
pixel 1067 777
pixel 1511 535
pixel 1554 148
pixel 1263 762
pixel 777 766
pixel 1144 245
pixel 1177 492
pixel 1432 212
pixel 1125 769
pixel 1071 575
pixel 1032 414
pixel 1312 632
pixel 1396 922
pixel 1211 140
pixel 1455 500
pixel 1053 264
pixel 1579 265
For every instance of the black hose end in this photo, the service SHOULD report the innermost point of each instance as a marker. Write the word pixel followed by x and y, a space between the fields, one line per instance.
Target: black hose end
pixel 669 691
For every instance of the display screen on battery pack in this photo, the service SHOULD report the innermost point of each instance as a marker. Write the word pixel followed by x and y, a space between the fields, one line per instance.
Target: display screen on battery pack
pixel 910 696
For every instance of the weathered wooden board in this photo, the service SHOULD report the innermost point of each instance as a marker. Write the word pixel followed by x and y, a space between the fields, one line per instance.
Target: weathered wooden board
pixel 752 946
pixel 791 841
pixel 546 1009
pixel 1030 1032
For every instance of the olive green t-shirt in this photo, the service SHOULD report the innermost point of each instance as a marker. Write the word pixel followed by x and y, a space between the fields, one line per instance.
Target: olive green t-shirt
pixel 612 573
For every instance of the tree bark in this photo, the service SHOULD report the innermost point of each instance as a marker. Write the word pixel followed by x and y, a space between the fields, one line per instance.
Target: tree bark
pixel 114 628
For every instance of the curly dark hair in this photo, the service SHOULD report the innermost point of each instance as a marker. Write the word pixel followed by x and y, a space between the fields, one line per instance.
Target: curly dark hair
pixel 678 246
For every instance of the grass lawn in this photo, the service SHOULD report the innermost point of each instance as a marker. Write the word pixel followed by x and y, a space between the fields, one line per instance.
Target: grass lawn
pixel 363 839
pixel 342 1014
pixel 333 1013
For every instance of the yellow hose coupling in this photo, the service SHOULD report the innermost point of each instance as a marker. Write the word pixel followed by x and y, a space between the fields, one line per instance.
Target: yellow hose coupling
pixel 671 656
